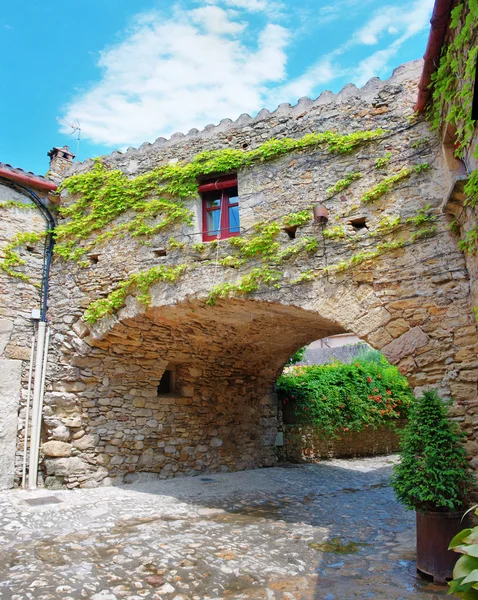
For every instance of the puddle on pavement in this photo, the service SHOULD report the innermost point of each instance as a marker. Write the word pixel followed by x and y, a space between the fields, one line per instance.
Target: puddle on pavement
pixel 337 546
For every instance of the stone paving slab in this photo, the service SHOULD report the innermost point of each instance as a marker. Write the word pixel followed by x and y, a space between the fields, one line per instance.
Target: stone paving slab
pixel 329 531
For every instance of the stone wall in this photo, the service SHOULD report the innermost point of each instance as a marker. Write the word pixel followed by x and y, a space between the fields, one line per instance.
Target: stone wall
pixel 307 443
pixel 460 168
pixel 322 356
pixel 17 299
pixel 104 415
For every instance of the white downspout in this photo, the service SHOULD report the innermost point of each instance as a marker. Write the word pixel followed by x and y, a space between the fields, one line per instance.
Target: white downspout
pixel 27 412
pixel 36 408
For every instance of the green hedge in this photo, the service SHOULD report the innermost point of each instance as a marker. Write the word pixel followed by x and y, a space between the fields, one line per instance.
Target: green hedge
pixel 339 397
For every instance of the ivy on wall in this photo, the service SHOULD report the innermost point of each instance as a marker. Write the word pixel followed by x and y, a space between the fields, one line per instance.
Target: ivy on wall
pixel 452 87
pixel 452 83
pixel 154 201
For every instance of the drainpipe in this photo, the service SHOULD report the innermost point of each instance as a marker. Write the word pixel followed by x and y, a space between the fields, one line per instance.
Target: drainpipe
pixel 27 410
pixel 439 23
pixel 42 350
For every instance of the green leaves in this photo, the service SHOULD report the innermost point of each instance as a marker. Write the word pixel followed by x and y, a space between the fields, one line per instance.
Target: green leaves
pixel 344 183
pixel 465 573
pixel 340 397
pixel 12 258
pixel 100 195
pixel 433 473
pixel 137 281
pixel 452 83
pixel 247 284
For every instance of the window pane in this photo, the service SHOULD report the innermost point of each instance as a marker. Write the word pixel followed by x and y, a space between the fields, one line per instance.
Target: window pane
pixel 234 219
pixel 234 199
pixel 213 203
pixel 212 223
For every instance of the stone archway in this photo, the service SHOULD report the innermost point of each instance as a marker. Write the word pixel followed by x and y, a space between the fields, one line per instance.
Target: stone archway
pixel 222 412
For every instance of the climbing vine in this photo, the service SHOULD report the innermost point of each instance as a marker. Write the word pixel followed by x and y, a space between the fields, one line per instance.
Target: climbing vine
pixel 154 201
pixel 12 258
pixel 386 184
pixel 452 87
pixel 344 183
pixel 102 195
pixel 140 281
pixel 452 83
pixel 17 204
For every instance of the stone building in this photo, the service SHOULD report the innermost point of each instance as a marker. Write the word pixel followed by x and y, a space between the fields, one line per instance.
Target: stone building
pixel 187 271
pixel 18 297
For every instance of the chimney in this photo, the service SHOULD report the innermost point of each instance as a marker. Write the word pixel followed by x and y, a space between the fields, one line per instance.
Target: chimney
pixel 61 159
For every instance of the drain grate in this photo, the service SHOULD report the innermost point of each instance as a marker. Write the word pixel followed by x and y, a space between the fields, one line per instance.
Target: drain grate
pixel 43 500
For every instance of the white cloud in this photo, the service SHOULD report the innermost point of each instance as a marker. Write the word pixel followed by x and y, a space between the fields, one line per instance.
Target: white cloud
pixel 215 20
pixel 198 66
pixel 393 20
pixel 171 75
pixel 250 5
pixel 321 73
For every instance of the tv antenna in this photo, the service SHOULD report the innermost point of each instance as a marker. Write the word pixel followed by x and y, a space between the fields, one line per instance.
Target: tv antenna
pixel 75 128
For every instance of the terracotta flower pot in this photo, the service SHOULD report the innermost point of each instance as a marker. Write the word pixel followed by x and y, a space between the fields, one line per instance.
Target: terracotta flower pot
pixel 435 531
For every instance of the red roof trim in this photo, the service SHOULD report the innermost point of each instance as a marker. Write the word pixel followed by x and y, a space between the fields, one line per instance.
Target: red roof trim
pixel 439 23
pixel 27 179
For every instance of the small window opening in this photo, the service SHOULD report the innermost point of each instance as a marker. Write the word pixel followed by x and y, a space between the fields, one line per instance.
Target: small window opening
pixel 94 258
pixel 474 108
pixel 166 383
pixel 291 232
pixel 159 252
pixel 359 223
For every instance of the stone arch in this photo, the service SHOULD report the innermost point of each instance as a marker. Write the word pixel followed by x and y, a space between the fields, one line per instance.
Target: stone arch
pixel 223 413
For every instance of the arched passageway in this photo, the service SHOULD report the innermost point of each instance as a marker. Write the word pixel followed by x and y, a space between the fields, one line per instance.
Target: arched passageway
pixel 187 387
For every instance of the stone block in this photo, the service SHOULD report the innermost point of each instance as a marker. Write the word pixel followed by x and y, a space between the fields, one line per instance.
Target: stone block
pixel 65 467
pixel 61 433
pixel 397 328
pixel 405 345
pixel 87 442
pixel 6 328
pixel 69 386
pixel 56 449
pixel 10 386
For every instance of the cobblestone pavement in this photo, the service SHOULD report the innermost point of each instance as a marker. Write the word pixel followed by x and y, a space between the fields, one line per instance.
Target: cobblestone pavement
pixel 329 531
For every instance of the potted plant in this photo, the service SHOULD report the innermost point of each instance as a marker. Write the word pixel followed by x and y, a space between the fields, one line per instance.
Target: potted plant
pixel 434 479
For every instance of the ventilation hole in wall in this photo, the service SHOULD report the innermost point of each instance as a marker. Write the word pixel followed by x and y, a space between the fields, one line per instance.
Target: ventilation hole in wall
pixel 166 383
pixel 160 252
pixel 359 223
pixel 93 258
pixel 291 232
pixel 245 145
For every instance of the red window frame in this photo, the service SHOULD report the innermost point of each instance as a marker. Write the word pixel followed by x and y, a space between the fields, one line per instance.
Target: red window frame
pixel 223 188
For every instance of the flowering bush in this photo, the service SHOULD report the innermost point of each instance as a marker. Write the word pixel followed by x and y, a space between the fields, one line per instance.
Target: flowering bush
pixel 339 397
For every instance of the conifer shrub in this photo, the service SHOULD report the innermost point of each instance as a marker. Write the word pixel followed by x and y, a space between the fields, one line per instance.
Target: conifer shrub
pixel 434 474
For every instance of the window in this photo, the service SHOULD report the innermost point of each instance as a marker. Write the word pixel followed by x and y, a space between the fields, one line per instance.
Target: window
pixel 474 109
pixel 220 208
pixel 167 383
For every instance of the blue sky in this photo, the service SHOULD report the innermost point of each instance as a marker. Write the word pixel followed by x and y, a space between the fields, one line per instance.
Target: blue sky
pixel 131 71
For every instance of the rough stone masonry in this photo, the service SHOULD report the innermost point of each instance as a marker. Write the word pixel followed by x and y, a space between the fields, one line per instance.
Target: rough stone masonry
pixel 105 416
